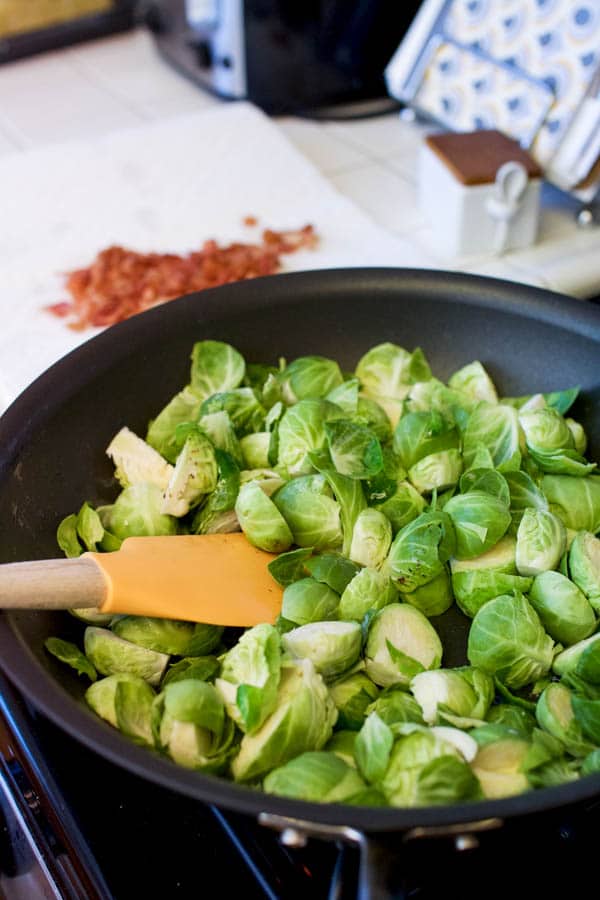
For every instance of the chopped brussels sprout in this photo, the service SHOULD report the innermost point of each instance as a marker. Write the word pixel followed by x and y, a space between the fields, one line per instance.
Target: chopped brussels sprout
pixel 332 647
pixel 303 720
pixel 541 542
pixel 420 550
pixel 194 475
pixel 584 566
pixel 111 655
pixel 401 643
pixel 308 600
pixel 135 461
pixel 371 538
pixel 137 512
pixel 437 471
pixel 564 610
pixel 260 520
pixel 249 677
pixel 498 766
pixel 479 520
pixel 368 590
pixel 508 640
pixel 317 776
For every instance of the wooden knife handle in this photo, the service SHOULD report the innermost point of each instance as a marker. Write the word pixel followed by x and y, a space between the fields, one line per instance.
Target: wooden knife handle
pixel 52 584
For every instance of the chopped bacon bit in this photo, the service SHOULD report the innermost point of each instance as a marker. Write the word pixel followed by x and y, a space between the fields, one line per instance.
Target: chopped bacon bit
pixel 250 221
pixel 120 282
pixel 61 309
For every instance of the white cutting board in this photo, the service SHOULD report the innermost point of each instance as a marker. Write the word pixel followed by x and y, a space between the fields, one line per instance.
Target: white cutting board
pixel 160 187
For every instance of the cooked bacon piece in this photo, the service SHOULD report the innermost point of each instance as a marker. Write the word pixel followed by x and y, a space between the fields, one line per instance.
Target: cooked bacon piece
pixel 120 282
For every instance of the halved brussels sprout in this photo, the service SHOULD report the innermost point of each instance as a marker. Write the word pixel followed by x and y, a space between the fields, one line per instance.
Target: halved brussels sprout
pixel 260 520
pixel 401 643
pixel 315 776
pixel 352 694
pixel 249 677
pixel 479 520
pixel 371 538
pixel 554 712
pixel 136 461
pixel 111 655
pixel 508 640
pixel 541 542
pixel 564 610
pixel 308 600
pixel 584 566
pixel 332 647
pixel 368 590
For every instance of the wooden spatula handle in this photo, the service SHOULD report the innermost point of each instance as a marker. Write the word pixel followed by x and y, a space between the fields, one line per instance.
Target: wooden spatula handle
pixel 52 584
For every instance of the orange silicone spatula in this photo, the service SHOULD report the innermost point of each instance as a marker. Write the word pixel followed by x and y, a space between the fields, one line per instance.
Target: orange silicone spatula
pixel 220 579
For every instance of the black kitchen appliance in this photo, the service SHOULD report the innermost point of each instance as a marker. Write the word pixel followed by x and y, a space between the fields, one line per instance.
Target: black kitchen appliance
pixel 284 56
pixel 137 820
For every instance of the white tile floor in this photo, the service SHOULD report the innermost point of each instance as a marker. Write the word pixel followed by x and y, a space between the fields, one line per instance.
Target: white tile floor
pixel 117 82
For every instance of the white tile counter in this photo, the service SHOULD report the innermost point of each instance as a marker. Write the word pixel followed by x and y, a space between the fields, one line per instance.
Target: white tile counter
pixel 94 91
pixel 117 82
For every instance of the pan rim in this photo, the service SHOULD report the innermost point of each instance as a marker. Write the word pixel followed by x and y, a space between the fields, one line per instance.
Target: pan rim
pixel 50 390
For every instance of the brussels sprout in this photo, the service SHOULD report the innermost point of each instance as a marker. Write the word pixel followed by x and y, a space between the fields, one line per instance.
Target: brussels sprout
pixel 591 763
pixel 91 616
pixel 371 538
pixel 352 695
pixel 498 767
pixel 249 677
pixel 289 567
pixel 355 449
pixel 69 653
pixel 241 405
pixel 420 550
pixel 309 377
pixel 401 642
pixel 396 707
pixel 216 367
pixel 192 727
pixel 487 479
pixel 183 407
pixel 584 566
pixel 373 415
pixel 475 587
pixel 137 513
pixel 554 712
pixel 524 493
pixel 545 429
pixel 89 527
pixel 434 395
pixel 386 372
pixel 308 600
pixel 405 505
pixel 333 570
pixel 581 659
pixel 342 743
pixel 422 434
pixel 474 381
pixel 500 558
pixel 368 590
pixel 134 704
pixel 348 493
pixel 162 635
pixel 332 647
pixel 218 427
pixel 479 520
pixel 578 435
pixel 204 668
pixel 216 514
pixel 463 742
pixel 512 717
pixel 260 520
pixel 255 450
pixel 111 655
pixel 565 613
pixel 508 640
pixel 541 542
pixel 317 776
pixel 561 401
pixel 301 430
pixel 135 461
pixel 587 714
pixel 574 500
pixel 453 695
pixel 372 748
pixel 426 770
pixel 314 519
pixel 303 720
pixel 195 474
pixel 437 471
pixel 345 395
pixel 102 696
pixel 497 428
pixel 67 537
pixel 433 598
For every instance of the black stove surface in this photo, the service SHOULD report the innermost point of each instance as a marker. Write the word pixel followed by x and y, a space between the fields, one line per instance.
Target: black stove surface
pixel 107 834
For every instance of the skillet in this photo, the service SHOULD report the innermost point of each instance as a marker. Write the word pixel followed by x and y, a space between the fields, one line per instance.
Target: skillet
pixel 52 442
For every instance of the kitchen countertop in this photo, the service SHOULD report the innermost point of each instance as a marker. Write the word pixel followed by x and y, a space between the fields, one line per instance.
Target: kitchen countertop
pixel 99 87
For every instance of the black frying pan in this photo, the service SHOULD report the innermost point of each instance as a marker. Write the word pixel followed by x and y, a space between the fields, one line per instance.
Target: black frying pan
pixel 52 442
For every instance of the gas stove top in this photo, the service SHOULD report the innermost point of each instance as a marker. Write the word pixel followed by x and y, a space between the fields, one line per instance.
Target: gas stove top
pixel 76 827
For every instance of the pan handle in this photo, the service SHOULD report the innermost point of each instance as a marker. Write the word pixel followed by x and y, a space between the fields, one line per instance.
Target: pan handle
pixel 379 865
